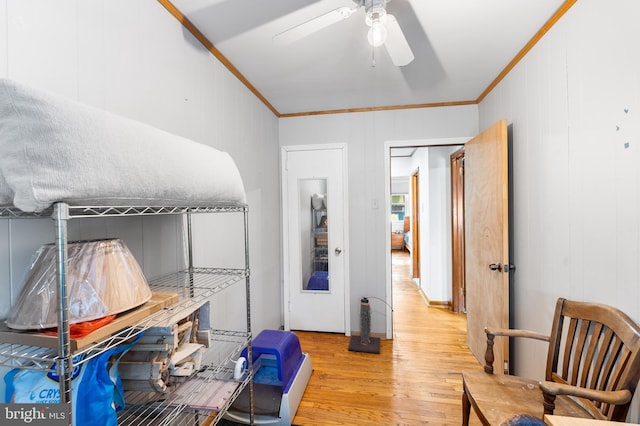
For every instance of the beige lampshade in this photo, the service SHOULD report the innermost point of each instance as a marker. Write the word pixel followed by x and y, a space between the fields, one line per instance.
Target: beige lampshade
pixel 103 278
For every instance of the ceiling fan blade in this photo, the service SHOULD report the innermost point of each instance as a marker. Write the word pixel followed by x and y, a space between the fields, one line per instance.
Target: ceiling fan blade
pixel 396 44
pixel 313 25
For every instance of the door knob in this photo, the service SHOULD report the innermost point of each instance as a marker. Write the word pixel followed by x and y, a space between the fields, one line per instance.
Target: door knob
pixel 495 267
pixel 338 250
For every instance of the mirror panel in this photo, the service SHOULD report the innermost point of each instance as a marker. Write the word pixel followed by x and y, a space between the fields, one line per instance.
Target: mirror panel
pixel 314 237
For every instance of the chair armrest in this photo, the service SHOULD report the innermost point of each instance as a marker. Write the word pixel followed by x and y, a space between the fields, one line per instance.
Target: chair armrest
pixel 607 397
pixel 493 332
pixel 516 333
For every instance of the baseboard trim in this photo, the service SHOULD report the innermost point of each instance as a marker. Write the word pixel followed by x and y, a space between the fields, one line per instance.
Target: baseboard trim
pixel 440 304
pixel 435 303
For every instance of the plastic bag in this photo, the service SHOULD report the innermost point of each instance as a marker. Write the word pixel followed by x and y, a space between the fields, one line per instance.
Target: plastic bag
pixel 96 389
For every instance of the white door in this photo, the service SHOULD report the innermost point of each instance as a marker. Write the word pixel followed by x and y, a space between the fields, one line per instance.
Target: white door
pixel 314 243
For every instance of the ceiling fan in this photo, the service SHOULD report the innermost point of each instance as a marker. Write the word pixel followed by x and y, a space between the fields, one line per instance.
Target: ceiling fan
pixel 383 29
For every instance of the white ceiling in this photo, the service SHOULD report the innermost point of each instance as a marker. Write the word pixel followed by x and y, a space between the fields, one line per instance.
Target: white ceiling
pixel 460 47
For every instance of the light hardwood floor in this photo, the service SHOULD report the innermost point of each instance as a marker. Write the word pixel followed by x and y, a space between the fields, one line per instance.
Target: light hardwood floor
pixel 415 379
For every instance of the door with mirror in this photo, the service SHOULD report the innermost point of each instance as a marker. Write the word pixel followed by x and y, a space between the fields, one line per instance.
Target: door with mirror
pixel 315 252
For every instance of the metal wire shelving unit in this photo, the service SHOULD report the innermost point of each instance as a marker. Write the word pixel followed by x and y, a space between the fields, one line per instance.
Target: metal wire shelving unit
pixel 194 286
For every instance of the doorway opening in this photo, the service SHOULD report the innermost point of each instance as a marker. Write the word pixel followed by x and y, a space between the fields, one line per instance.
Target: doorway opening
pixel 424 166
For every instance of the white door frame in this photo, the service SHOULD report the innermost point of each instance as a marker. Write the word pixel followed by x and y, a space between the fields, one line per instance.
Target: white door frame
pixel 285 229
pixel 387 208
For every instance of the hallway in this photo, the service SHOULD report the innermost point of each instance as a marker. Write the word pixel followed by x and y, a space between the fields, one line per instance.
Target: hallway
pixel 414 380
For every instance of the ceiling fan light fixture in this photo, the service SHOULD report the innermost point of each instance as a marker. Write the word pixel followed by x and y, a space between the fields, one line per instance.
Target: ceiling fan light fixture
pixel 377 34
pixel 375 17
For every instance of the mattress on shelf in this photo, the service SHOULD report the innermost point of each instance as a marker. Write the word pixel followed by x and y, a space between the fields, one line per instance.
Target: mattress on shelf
pixel 55 149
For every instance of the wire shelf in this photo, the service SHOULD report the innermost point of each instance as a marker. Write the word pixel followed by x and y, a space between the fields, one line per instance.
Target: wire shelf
pixel 194 287
pixel 27 357
pixel 213 382
pixel 10 212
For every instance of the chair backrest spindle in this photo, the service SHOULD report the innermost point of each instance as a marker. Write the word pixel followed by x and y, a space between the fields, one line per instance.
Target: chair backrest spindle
pixel 600 348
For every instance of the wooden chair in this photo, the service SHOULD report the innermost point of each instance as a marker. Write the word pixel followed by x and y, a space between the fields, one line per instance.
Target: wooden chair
pixel 593 367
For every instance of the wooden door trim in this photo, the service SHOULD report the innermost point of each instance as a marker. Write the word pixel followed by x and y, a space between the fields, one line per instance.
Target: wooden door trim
pixel 457 232
pixel 415 223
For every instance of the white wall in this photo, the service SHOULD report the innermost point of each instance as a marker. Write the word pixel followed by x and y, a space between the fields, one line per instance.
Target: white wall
pixel 574 104
pixel 436 280
pixel 365 135
pixel 401 168
pixel 421 163
pixel 143 65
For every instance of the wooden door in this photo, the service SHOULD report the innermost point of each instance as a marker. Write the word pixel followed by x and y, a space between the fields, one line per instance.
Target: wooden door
pixel 486 183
